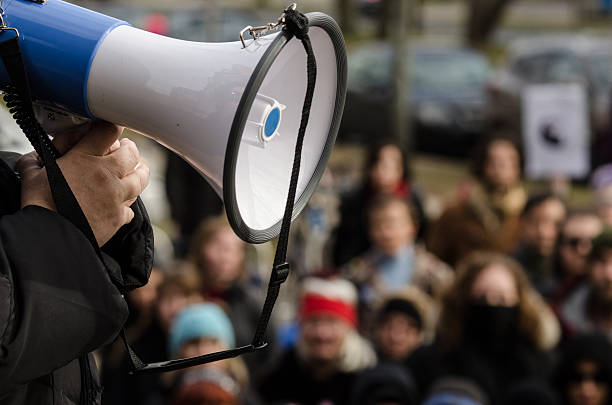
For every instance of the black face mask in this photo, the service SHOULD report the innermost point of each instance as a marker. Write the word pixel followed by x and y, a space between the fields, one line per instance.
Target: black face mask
pixel 491 327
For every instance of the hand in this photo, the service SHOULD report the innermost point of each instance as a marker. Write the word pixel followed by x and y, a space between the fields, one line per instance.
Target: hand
pixel 106 176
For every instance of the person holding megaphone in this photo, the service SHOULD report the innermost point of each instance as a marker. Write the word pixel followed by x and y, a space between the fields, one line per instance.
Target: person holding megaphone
pixel 58 300
pixel 242 121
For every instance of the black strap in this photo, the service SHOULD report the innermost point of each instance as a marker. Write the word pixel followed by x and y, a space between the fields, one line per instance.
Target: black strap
pixel 19 102
pixel 296 24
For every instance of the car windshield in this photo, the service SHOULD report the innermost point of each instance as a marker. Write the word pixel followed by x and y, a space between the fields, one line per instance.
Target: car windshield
pixel 444 70
pixel 602 68
pixel 371 68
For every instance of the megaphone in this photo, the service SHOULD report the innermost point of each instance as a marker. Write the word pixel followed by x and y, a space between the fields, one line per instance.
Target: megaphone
pixel 232 110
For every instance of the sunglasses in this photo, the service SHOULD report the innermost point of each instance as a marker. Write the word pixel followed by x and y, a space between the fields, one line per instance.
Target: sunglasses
pixel 577 377
pixel 574 242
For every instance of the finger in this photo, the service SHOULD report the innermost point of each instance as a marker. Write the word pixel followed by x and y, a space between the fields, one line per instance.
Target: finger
pixel 124 160
pixel 128 215
pixel 65 140
pixel 99 139
pixel 27 162
pixel 134 183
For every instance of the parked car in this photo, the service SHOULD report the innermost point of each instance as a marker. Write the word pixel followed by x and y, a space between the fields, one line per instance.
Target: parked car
pixel 206 23
pixel 555 59
pixel 445 96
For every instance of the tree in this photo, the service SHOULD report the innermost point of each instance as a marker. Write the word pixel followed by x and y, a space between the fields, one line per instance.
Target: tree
pixel 346 11
pixel 483 18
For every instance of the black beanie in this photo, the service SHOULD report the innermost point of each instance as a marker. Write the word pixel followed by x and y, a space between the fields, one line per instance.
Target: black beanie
pixel 404 307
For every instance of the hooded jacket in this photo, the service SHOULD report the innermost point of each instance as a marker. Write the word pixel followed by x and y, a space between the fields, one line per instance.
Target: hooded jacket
pixel 57 299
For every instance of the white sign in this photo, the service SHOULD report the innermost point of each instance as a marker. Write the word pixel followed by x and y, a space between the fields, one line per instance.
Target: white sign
pixel 555 130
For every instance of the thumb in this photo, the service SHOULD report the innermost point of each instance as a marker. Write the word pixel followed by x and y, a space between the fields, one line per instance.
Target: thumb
pixel 99 139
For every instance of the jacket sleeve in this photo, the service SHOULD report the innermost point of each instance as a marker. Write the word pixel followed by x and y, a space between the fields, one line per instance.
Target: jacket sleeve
pixel 57 301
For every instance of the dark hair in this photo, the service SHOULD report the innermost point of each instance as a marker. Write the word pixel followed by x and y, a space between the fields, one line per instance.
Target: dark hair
pixel 385 383
pixel 401 306
pixel 481 153
pixel 536 200
pixel 382 202
pixel 593 347
pixel 374 155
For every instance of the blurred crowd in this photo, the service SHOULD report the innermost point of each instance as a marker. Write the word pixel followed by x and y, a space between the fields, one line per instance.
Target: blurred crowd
pixel 505 298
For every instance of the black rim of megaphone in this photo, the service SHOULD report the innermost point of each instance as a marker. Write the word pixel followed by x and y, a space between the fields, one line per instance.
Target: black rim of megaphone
pixel 233 144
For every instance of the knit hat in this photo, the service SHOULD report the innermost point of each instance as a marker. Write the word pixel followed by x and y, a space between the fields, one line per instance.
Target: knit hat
pixel 385 383
pixel 404 307
pixel 331 297
pixel 205 320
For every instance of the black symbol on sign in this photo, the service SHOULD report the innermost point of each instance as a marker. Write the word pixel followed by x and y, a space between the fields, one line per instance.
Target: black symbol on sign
pixel 550 134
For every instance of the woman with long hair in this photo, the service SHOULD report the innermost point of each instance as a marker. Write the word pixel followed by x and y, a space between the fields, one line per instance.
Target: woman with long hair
pixel 493 328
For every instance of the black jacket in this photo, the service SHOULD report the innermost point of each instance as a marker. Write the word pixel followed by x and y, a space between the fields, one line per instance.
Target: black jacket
pixel 291 381
pixel 57 300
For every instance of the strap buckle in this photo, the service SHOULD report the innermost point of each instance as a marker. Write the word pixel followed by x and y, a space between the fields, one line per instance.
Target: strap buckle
pixel 279 274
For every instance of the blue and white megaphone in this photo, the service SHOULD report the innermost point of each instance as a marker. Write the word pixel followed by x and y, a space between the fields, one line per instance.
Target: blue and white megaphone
pixel 232 110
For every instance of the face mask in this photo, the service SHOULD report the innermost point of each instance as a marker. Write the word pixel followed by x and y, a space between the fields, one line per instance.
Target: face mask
pixel 491 326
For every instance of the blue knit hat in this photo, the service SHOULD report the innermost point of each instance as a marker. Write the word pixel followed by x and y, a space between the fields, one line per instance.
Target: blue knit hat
pixel 201 321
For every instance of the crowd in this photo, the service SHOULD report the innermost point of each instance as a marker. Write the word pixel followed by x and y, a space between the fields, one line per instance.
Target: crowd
pixel 505 298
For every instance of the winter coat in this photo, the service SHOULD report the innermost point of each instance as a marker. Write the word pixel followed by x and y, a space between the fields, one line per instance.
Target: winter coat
pixel 494 373
pixel 58 301
pixel 477 223
pixel 292 379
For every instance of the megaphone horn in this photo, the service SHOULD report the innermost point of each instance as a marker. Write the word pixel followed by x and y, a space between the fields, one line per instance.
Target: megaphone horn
pixel 232 110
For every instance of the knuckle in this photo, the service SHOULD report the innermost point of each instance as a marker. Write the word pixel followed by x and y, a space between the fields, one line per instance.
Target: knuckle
pixel 131 149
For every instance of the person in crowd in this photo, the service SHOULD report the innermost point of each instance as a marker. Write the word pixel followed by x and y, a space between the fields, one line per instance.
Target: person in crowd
pixel 573 249
pixel 386 173
pixel 486 214
pixel 219 257
pixel 493 329
pixel 589 307
pixel 584 373
pixel 200 329
pixel 190 198
pixel 387 384
pixel 394 261
pixel 540 225
pixel 59 303
pixel 179 289
pixel 402 325
pixel 329 354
